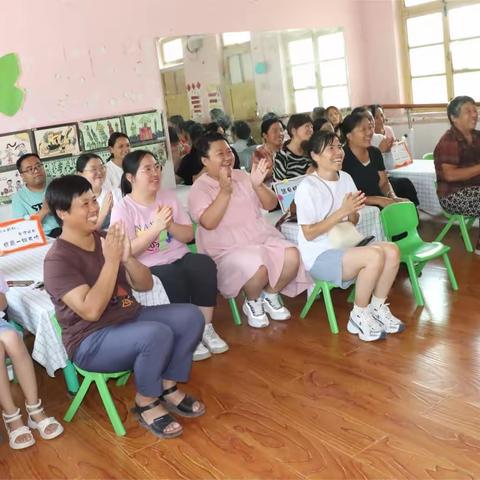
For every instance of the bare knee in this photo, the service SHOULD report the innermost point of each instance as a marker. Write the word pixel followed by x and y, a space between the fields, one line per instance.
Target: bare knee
pixel 292 258
pixel 392 254
pixel 12 342
pixel 374 257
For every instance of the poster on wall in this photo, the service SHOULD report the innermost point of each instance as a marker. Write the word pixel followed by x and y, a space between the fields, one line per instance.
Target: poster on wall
pixel 94 134
pixel 144 126
pixel 60 167
pixel 13 146
pixel 10 182
pixel 57 141
pixel 214 97
pixel 195 101
pixel 158 149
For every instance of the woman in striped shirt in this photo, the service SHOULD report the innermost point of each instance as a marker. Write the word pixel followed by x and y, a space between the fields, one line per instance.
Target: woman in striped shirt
pixel 291 160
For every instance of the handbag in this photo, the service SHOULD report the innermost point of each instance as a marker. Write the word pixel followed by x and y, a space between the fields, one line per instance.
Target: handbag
pixel 343 234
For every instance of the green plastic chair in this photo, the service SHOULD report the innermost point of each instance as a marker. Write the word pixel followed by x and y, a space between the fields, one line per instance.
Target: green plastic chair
pixel 231 301
pixel 400 218
pixel 324 287
pixel 100 380
pixel 464 222
pixel 428 156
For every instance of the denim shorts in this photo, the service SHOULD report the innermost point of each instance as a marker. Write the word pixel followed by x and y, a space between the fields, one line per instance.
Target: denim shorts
pixel 328 267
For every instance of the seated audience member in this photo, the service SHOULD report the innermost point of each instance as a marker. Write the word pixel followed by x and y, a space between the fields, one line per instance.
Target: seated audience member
pixel 176 151
pixel 251 255
pixel 91 167
pixel 176 122
pixel 270 116
pixel 190 165
pixel 147 212
pixel 457 161
pixel 90 278
pixel 213 127
pixel 273 134
pixel 290 160
pixel 318 113
pixel 242 135
pixel 334 116
pixel 184 138
pixel 324 199
pixel 403 187
pixel 12 346
pixel 380 126
pixel 364 163
pixel 119 146
pixel 30 199
pixel 217 115
pixel 322 124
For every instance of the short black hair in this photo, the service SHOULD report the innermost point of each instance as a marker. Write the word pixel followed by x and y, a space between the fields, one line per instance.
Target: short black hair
pixel 318 123
pixel 61 192
pixel 83 160
pixel 172 133
pixel 455 105
pixel 24 157
pixel 241 129
pixel 266 124
pixel 202 145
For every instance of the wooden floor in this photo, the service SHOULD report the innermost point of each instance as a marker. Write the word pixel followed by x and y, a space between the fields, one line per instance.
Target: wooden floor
pixel 295 401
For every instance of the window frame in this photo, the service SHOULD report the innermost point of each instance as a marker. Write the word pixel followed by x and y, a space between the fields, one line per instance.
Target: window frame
pixel 435 6
pixel 169 65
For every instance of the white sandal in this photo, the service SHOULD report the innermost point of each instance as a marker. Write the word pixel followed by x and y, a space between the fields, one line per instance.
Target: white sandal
pixel 14 434
pixel 42 425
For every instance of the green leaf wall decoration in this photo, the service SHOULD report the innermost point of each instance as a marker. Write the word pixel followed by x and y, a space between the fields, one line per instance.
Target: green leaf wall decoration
pixel 11 97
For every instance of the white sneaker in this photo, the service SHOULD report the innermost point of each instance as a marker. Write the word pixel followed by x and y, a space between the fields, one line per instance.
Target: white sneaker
pixel 272 304
pixel 201 353
pixel 212 340
pixel 365 326
pixel 255 313
pixel 389 322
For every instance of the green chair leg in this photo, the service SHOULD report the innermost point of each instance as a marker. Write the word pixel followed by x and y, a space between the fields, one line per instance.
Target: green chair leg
pixel 332 319
pixel 415 285
pixel 351 295
pixel 465 234
pixel 122 381
pixel 71 378
pixel 109 405
pixel 445 229
pixel 76 402
pixel 316 290
pixel 451 275
pixel 235 313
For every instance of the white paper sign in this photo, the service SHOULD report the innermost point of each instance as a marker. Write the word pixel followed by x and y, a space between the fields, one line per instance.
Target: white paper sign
pixel 400 154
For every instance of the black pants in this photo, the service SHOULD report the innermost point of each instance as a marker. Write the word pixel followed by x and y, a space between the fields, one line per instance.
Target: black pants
pixel 404 188
pixel 191 279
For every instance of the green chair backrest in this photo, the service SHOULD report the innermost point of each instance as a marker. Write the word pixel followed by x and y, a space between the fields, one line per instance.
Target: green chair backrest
pixel 398 219
pixel 428 156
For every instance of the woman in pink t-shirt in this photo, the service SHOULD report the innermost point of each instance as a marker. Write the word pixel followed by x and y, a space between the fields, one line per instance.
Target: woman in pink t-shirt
pixel 251 255
pixel 159 229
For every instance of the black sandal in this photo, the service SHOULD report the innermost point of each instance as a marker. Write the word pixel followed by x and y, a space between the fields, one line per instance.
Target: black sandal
pixel 185 407
pixel 159 424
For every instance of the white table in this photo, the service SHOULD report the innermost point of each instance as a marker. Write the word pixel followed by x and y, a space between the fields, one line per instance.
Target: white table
pixel 368 224
pixel 33 309
pixel 422 174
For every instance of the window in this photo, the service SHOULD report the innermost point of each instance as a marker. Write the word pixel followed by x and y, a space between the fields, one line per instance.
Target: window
pixel 171 52
pixel 235 38
pixel 317 67
pixel 443 41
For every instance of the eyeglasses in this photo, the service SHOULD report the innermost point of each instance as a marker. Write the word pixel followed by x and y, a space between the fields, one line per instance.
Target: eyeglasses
pixel 150 169
pixel 96 169
pixel 34 168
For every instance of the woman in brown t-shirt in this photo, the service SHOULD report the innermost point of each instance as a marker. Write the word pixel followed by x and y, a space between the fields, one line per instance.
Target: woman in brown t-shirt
pixel 90 279
pixel 457 161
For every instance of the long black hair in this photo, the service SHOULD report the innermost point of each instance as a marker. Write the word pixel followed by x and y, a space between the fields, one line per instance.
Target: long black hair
pixel 130 164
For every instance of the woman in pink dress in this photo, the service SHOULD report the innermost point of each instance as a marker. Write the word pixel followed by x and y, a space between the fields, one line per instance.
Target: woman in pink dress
pixel 251 255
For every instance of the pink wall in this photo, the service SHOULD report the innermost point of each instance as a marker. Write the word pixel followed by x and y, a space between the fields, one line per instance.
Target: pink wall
pixel 89 58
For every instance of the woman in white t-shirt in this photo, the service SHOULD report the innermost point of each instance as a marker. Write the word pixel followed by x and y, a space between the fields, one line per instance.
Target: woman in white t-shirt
pixel 90 166
pixel 119 146
pixel 324 199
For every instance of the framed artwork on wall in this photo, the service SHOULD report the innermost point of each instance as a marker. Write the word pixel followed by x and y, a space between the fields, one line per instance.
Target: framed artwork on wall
pixel 13 146
pixel 144 126
pixel 60 167
pixel 57 141
pixel 94 134
pixel 10 183
pixel 159 149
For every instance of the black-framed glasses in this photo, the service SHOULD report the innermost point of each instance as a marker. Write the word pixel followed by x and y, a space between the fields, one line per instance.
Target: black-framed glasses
pixel 34 168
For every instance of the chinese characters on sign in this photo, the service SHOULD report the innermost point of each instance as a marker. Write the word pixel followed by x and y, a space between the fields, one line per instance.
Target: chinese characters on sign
pixel 16 235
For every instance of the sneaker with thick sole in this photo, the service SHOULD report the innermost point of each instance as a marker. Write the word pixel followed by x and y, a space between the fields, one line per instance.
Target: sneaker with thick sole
pixel 273 305
pixel 212 340
pixel 201 353
pixel 365 326
pixel 389 322
pixel 255 313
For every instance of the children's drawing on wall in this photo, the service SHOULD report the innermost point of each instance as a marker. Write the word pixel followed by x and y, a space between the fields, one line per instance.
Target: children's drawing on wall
pixel 13 146
pixel 60 167
pixel 10 182
pixel 94 134
pixel 144 127
pixel 57 141
pixel 159 150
